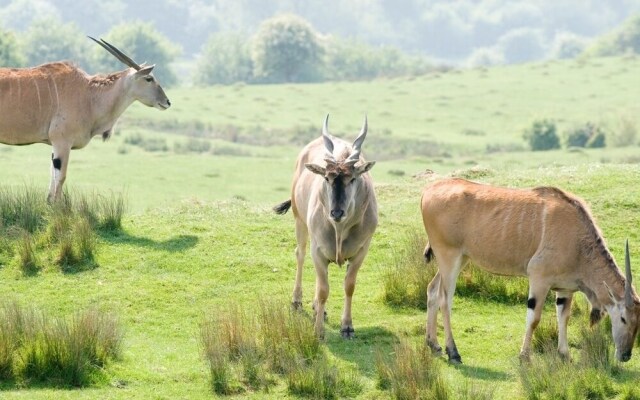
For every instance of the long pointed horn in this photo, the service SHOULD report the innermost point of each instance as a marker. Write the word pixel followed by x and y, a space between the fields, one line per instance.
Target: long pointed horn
pixel 357 144
pixel 117 53
pixel 328 143
pixel 627 267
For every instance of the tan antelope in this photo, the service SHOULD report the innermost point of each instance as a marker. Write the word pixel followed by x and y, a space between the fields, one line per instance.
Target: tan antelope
pixel 333 201
pixel 60 105
pixel 543 233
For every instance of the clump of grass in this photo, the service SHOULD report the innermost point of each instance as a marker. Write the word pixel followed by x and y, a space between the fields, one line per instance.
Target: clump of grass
pixel 412 373
pixel 545 337
pixel 248 350
pixel 406 281
pixel 35 348
pixel 23 208
pixel 548 376
pixel 112 210
pixel 27 258
pixel 321 380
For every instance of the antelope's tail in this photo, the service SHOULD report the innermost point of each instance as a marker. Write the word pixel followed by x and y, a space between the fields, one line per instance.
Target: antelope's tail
pixel 428 253
pixel 283 207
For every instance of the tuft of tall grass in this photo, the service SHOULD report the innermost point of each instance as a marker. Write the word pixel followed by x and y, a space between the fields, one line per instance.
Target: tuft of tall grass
pixel 412 373
pixel 548 376
pixel 247 350
pixel 406 281
pixel 27 258
pixel 545 337
pixel 37 348
pixel 321 380
pixel 22 207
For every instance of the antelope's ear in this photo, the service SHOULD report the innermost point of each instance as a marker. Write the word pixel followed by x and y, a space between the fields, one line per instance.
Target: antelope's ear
pixel 316 169
pixel 146 70
pixel 610 292
pixel 365 167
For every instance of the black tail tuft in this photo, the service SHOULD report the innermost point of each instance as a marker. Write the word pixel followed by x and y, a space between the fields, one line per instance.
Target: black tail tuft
pixel 428 253
pixel 283 207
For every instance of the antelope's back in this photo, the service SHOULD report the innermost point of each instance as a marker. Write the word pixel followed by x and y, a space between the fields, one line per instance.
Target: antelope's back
pixel 30 97
pixel 500 229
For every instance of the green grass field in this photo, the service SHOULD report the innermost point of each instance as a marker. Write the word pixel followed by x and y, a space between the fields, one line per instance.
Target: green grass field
pixel 200 234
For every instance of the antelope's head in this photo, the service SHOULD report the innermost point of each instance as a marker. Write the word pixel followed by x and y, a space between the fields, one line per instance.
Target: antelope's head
pixel 342 177
pixel 625 315
pixel 144 86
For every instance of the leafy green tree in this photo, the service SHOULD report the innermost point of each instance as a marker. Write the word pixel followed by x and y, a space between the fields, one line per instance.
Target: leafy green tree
pixel 10 54
pixel 622 40
pixel 542 135
pixel 143 43
pixel 48 40
pixel 224 59
pixel 286 48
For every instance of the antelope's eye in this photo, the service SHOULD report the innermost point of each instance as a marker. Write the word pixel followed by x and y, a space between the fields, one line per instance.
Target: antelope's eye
pixel 326 179
pixel 624 321
pixel 352 180
pixel 149 79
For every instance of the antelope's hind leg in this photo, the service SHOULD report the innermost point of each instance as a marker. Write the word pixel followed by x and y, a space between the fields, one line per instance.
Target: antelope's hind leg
pixel 302 235
pixel 450 261
pixel 432 315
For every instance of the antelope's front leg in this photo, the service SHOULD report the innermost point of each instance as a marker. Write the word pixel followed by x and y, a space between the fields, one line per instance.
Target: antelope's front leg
pixel 346 324
pixel 322 289
pixel 563 310
pixel 59 163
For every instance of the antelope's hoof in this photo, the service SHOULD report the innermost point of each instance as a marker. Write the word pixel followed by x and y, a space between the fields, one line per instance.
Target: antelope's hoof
pixel 296 305
pixel 348 333
pixel 436 350
pixel 454 356
pixel 524 358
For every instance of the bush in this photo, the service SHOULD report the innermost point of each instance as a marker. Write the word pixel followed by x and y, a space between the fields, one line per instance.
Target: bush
pixel 542 136
pixel 49 40
pixel 10 53
pixel 588 135
pixel 224 59
pixel 143 43
pixel 286 48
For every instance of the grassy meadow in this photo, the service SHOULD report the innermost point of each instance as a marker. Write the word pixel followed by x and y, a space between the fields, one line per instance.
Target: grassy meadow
pixel 199 236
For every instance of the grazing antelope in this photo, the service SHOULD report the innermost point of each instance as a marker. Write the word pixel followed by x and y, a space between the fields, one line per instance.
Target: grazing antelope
pixel 60 105
pixel 543 233
pixel 333 201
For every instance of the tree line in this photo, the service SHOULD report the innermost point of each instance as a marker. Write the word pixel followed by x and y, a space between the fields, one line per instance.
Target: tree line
pixel 285 48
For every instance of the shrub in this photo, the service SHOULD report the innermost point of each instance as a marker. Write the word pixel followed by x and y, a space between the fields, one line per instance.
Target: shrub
pixel 542 136
pixel 143 43
pixel 588 135
pixel 192 145
pixel 286 48
pixel 224 59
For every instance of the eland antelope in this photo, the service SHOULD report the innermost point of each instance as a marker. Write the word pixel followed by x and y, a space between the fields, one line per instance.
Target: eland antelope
pixel 333 201
pixel 60 105
pixel 543 233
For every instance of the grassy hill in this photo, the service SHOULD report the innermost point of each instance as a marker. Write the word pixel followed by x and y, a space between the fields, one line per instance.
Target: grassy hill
pixel 200 233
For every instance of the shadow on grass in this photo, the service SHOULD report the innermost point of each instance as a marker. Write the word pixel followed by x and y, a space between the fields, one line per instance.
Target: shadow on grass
pixel 361 350
pixel 482 373
pixel 174 244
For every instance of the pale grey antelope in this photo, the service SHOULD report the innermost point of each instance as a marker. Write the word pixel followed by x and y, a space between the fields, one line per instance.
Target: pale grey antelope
pixel 333 201
pixel 60 105
pixel 543 233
